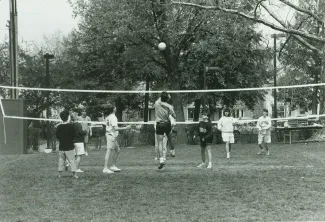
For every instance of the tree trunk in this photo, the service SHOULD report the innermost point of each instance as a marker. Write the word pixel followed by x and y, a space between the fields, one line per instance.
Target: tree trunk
pixel 197 107
pixel 146 102
pixel 178 107
pixel 119 109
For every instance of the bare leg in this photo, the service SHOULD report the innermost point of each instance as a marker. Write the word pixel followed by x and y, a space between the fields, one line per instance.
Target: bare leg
pixel 78 158
pixel 170 140
pixel 209 153
pixel 117 152
pixel 86 148
pixel 227 149
pixel 203 154
pixel 160 145
pixel 156 146
pixel 108 152
pixel 165 146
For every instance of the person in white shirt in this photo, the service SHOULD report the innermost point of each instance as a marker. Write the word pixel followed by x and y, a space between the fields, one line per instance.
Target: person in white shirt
pixel 111 137
pixel 226 126
pixel 264 132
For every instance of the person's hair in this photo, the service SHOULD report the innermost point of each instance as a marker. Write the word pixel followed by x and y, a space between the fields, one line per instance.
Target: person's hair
pixel 265 110
pixel 204 113
pixel 110 109
pixel 64 115
pixel 226 110
pixel 164 96
pixel 73 116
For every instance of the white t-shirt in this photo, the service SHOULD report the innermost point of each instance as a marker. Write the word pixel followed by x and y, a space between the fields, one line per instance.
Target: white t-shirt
pixel 111 122
pixel 225 124
pixel 264 124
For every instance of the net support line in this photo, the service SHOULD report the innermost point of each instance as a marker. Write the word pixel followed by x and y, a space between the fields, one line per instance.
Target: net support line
pixel 3 121
pixel 153 122
pixel 169 91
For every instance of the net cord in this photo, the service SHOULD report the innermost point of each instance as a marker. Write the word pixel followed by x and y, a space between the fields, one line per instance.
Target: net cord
pixel 159 91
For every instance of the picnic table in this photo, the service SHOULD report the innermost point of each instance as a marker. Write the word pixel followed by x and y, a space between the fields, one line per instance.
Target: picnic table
pixel 287 131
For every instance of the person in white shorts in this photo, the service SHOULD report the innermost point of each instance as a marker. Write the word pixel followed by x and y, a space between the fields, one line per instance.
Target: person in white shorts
pixel 264 132
pixel 226 126
pixel 78 140
pixel 111 137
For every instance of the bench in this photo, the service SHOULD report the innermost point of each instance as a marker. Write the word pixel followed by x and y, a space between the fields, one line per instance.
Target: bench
pixel 297 122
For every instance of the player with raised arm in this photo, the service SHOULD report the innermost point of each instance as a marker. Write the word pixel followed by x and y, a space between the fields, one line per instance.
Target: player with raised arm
pixel 163 124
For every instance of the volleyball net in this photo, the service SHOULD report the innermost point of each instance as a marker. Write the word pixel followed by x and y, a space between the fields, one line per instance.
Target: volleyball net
pixel 293 105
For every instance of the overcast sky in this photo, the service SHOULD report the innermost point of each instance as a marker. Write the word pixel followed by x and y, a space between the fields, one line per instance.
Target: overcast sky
pixel 37 18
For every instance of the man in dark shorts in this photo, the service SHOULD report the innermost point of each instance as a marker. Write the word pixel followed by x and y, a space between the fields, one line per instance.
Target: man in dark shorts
pixel 163 125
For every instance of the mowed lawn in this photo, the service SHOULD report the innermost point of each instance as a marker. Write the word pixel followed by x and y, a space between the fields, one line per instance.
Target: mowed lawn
pixel 287 185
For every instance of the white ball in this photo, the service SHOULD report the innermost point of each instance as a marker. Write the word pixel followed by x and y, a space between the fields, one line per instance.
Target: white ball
pixel 162 46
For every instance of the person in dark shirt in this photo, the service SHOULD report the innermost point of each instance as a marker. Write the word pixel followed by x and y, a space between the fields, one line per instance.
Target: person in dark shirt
pixel 205 133
pixel 65 133
pixel 78 139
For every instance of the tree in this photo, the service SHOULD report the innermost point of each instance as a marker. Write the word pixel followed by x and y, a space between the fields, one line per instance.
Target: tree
pixel 309 12
pixel 129 33
pixel 4 68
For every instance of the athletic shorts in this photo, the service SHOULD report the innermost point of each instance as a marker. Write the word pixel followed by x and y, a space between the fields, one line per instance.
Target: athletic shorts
pixel 204 143
pixel 266 138
pixel 79 149
pixel 163 127
pixel 228 137
pixel 112 142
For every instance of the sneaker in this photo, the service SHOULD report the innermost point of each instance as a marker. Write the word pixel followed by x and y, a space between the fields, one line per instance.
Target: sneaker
pixel 172 153
pixel 209 166
pixel 106 170
pixel 268 153
pixel 228 155
pixel 161 165
pixel 114 169
pixel 79 171
pixel 260 152
pixel 86 153
pixel 201 165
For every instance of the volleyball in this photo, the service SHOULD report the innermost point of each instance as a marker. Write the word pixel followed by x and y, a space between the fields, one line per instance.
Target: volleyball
pixel 162 46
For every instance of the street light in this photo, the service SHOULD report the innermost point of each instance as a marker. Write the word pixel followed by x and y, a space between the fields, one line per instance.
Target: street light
pixel 206 69
pixel 47 57
pixel 275 36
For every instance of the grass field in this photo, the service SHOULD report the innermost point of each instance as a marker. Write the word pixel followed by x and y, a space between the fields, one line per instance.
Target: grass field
pixel 287 185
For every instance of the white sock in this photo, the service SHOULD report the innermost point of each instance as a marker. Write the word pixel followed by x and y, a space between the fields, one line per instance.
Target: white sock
pixel 161 159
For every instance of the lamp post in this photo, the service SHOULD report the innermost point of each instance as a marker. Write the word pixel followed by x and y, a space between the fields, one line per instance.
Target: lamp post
pixel 275 36
pixel 206 69
pixel 47 57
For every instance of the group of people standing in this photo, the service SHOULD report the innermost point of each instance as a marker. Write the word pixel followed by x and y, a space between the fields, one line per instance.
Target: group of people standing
pixel 74 132
pixel 73 135
pixel 165 116
pixel 226 125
